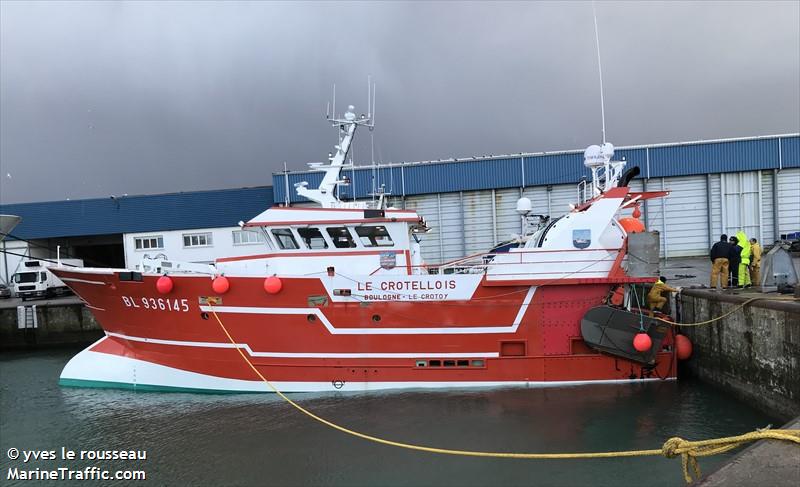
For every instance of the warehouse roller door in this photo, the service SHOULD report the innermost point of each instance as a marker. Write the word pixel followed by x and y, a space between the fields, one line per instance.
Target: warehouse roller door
pixel 767 234
pixel 741 209
pixel 508 220
pixel 680 218
pixel 789 201
pixel 427 207
pixel 479 221
pixel 452 228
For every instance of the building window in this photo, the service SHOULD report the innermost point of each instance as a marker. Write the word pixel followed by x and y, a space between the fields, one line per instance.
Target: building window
pixel 197 240
pixel 247 237
pixel 341 238
pixel 147 243
pixel 285 238
pixel 313 238
pixel 374 237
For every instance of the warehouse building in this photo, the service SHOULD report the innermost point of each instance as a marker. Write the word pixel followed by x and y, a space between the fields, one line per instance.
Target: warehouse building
pixel 119 231
pixel 716 187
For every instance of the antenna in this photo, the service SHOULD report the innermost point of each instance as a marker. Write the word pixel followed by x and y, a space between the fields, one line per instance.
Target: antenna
pixel 372 117
pixel 369 96
pixel 334 100
pixel 600 70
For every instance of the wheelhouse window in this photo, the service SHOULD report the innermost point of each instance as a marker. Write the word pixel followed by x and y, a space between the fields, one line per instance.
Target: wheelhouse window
pixel 247 237
pixel 313 238
pixel 197 240
pixel 285 238
pixel 374 236
pixel 341 237
pixel 146 243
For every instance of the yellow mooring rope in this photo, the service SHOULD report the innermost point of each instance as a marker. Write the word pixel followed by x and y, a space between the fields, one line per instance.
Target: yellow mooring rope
pixel 689 451
pixel 730 312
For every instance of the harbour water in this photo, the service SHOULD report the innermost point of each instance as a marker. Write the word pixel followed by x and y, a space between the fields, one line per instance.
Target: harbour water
pixel 259 440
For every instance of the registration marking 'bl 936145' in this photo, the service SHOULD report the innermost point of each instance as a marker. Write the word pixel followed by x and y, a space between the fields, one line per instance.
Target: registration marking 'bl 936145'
pixel 160 304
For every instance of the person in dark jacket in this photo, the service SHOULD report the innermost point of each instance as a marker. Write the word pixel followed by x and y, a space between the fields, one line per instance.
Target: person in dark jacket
pixel 719 262
pixel 734 257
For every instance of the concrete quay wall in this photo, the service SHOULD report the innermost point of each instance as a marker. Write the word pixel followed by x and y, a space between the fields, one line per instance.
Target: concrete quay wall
pixel 58 324
pixel 754 353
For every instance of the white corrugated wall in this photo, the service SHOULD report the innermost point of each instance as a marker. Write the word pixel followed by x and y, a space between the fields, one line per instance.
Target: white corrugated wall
pixel 478 224
pixel 453 244
pixel 741 203
pixel 490 217
pixel 427 206
pixel 789 201
pixel 508 220
pixel 767 234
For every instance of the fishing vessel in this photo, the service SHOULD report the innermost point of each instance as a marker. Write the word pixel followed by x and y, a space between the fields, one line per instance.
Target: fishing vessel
pixel 341 299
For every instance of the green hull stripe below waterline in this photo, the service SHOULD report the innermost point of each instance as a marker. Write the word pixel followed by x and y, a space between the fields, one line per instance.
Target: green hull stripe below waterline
pixel 100 384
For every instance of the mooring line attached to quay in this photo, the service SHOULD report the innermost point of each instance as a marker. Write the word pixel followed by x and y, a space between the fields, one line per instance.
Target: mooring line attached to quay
pixel 730 312
pixel 689 451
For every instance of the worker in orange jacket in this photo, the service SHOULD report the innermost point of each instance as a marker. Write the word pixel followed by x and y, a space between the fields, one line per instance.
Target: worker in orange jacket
pixel 655 298
pixel 755 262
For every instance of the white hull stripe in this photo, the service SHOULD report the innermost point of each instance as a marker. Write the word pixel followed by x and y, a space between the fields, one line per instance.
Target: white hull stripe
pixel 250 352
pixel 90 366
pixel 379 331
pixel 73 279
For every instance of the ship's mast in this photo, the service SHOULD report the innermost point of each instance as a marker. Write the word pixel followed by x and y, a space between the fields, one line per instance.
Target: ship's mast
pixel 325 194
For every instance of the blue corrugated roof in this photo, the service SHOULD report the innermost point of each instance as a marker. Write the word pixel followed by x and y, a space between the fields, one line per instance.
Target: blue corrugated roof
pixel 662 160
pixel 145 213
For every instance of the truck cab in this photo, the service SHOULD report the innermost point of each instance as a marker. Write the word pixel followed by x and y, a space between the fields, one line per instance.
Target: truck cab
pixel 36 281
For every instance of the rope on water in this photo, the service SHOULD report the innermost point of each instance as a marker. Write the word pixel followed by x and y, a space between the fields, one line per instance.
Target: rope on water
pixel 689 451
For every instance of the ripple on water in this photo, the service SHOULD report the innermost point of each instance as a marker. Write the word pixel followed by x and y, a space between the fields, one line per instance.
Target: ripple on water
pixel 256 439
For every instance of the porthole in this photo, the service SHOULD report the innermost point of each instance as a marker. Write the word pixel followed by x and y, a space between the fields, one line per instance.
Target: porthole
pixel 477 363
pixel 376 318
pixel 204 315
pixel 434 363
pixel 422 363
pixel 311 318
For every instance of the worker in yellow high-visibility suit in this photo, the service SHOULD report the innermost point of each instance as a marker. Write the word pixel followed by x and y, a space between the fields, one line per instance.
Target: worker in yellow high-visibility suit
pixel 655 300
pixel 755 262
pixel 744 264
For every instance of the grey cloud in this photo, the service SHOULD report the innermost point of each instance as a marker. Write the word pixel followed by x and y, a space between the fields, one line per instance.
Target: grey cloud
pixel 99 98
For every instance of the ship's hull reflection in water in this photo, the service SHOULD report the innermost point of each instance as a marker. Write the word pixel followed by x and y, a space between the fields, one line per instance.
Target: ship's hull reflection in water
pixel 258 440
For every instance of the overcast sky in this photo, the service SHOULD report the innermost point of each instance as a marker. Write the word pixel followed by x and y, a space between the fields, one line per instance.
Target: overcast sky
pixel 104 98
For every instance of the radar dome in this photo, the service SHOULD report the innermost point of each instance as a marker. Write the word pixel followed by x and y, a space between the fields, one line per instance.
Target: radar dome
pixel 523 206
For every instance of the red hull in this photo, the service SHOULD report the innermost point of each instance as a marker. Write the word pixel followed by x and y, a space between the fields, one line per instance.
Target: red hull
pixel 301 336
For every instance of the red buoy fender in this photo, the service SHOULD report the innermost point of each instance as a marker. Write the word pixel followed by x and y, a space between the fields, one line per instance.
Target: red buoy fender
pixel 273 285
pixel 220 284
pixel 164 285
pixel 683 347
pixel 642 342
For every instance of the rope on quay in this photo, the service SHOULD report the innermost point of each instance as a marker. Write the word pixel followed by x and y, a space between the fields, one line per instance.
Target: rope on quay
pixel 730 312
pixel 689 451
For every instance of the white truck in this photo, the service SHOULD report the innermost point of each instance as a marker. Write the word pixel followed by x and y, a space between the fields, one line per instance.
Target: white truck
pixel 35 281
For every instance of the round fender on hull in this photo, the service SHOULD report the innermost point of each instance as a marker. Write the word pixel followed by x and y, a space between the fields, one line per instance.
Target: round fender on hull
pixel 220 284
pixel 683 347
pixel 273 285
pixel 164 285
pixel 642 342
